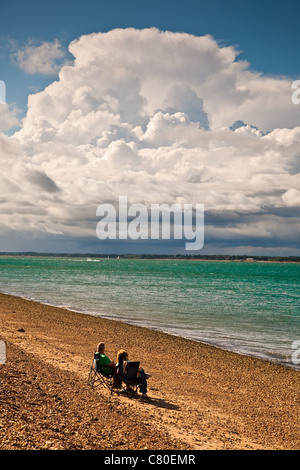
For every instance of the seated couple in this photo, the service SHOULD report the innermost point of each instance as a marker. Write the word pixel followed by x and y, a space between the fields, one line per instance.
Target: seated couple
pixel 108 367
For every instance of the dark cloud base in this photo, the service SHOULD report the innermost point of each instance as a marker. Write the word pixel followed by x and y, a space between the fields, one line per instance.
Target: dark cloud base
pixel 54 244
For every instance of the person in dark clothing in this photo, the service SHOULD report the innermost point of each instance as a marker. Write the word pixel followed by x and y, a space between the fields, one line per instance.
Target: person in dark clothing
pixel 122 360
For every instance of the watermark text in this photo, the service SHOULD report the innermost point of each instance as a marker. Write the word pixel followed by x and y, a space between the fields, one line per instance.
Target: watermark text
pixel 296 353
pixel 2 92
pixel 2 352
pixel 296 94
pixel 160 221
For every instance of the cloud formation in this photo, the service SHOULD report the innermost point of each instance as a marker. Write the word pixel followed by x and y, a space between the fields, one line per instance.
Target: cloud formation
pixel 45 59
pixel 159 117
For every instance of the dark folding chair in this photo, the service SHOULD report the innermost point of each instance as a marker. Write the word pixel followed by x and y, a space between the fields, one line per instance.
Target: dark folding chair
pixel 98 377
pixel 130 378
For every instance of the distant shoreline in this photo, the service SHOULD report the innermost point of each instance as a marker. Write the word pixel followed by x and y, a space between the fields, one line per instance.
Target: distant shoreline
pixel 236 258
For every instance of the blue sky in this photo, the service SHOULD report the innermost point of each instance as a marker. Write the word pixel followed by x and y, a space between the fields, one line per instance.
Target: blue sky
pixel 143 127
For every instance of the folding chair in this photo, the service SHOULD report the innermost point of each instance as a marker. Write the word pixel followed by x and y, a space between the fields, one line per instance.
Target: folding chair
pixel 98 377
pixel 131 378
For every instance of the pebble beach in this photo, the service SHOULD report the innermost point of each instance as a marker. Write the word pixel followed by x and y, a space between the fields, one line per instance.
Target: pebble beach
pixel 201 397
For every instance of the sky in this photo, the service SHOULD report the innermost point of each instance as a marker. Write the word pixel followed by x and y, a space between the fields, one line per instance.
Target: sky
pixel 169 102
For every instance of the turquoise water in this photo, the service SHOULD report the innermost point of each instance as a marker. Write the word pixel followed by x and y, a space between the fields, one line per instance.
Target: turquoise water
pixel 250 308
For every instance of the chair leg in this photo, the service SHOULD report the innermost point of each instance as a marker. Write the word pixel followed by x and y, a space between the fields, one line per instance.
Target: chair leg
pixel 90 378
pixel 124 390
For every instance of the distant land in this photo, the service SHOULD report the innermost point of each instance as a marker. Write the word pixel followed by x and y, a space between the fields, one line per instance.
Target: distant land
pixel 246 258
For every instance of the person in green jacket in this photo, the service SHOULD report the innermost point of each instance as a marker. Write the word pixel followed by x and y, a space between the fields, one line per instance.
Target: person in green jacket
pixel 105 364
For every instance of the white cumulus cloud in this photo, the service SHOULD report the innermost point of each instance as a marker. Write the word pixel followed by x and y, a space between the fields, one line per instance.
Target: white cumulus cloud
pixel 44 59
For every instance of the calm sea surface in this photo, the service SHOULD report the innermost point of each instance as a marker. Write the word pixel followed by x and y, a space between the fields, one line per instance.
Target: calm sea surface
pixel 250 308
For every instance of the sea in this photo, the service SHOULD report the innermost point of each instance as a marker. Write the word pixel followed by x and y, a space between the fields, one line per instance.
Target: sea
pixel 251 308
